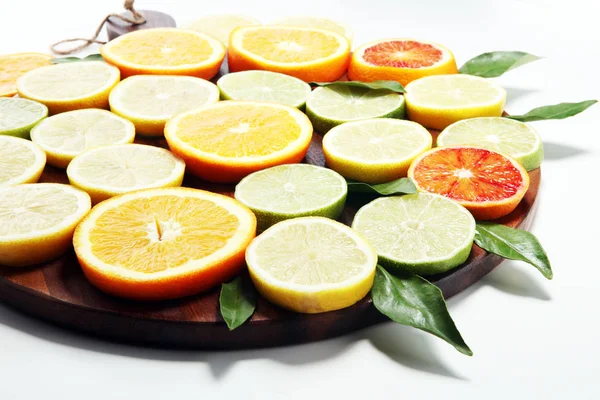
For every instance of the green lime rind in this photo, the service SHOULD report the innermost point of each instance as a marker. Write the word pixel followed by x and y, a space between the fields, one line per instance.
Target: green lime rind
pixel 292 191
pixel 421 233
pixel 18 116
pixel 331 106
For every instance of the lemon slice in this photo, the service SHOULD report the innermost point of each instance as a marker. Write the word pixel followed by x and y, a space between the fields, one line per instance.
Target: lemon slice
pixel 18 116
pixel 108 171
pixel 66 135
pixel 70 86
pixel 316 22
pixel 311 265
pixel 21 161
pixel 37 221
pixel 150 100
pixel 220 26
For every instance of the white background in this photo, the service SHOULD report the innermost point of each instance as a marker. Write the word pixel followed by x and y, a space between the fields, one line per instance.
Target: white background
pixel 532 338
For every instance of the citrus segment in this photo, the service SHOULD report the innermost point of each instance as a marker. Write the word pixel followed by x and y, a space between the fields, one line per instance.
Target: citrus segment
pixel 375 150
pixel 311 265
pixel 487 183
pixel 220 26
pixel 308 54
pixel 150 100
pixel 66 135
pixel 318 23
pixel 179 242
pixel 165 51
pixel 12 66
pixel 18 116
pixel 421 233
pixel 37 221
pixel 21 161
pixel 401 60
pixel 228 140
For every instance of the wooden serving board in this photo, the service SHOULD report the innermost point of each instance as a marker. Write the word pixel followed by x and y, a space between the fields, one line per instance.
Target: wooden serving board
pixel 58 292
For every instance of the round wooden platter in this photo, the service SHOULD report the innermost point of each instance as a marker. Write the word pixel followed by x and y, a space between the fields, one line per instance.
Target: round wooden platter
pixel 58 292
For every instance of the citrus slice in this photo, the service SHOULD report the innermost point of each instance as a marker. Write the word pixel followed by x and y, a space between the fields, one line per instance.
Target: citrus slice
pixel 228 140
pixel 421 233
pixel 18 116
pixel 438 101
pixel 37 221
pixel 107 171
pixel 150 100
pixel 165 243
pixel 487 183
pixel 513 138
pixel 311 265
pixel 220 26
pixel 12 66
pixel 66 135
pixel 70 86
pixel 165 51
pixel 401 60
pixel 318 23
pixel 21 161
pixel 264 86
pixel 333 105
pixel 375 150
pixel 291 191
pixel 306 53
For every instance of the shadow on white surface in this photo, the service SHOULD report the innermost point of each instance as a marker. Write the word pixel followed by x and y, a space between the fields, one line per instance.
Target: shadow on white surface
pixel 560 151
pixel 516 93
pixel 511 279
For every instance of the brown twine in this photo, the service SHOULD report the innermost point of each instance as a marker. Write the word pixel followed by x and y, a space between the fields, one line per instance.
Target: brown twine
pixel 136 20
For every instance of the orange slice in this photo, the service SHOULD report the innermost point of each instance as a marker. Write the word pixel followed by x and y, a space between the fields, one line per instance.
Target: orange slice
pixel 488 184
pixel 306 53
pixel 12 66
pixel 163 243
pixel 401 60
pixel 165 51
pixel 228 140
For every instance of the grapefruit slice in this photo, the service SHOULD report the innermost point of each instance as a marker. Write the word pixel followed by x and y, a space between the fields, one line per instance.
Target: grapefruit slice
pixel 488 184
pixel 401 60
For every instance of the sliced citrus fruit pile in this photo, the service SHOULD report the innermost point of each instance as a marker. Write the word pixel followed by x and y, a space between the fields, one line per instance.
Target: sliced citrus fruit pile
pixel 421 233
pixel 165 51
pixel 333 105
pixel 308 54
pixel 264 86
pixel 487 183
pixel 21 161
pixel 70 86
pixel 150 100
pixel 18 116
pixel 438 101
pixel 375 150
pixel 513 138
pixel 220 26
pixel 311 265
pixel 292 191
pixel 179 242
pixel 66 135
pixel 37 221
pixel 12 66
pixel 111 170
pixel 401 60
pixel 228 140
pixel 316 22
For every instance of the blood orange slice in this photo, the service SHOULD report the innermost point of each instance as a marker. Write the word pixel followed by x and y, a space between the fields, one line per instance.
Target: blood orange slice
pixel 402 60
pixel 489 184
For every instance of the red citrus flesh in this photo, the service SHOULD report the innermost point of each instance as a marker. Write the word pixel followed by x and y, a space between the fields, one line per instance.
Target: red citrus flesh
pixel 403 54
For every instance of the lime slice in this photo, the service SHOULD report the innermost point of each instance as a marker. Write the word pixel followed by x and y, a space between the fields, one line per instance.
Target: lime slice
pixel 220 26
pixel 513 138
pixel 108 171
pixel 311 265
pixel 21 161
pixel 333 105
pixel 316 22
pixel 150 100
pixel 18 116
pixel 375 150
pixel 64 136
pixel 264 86
pixel 291 191
pixel 421 233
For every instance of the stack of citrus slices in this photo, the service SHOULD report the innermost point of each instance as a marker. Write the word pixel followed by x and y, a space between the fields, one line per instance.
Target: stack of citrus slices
pixel 247 136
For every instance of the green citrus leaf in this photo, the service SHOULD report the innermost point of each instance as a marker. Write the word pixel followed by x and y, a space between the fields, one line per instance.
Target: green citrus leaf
pixel 237 301
pixel 399 186
pixel 389 85
pixel 496 63
pixel 91 57
pixel 556 111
